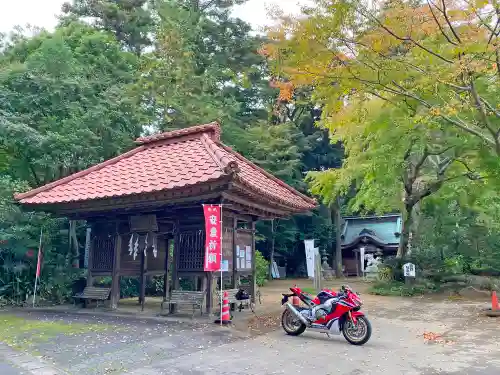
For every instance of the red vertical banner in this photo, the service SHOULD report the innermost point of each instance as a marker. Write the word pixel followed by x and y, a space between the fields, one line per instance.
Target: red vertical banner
pixel 213 233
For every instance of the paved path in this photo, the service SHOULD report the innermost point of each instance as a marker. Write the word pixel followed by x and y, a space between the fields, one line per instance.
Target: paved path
pixel 8 369
pixel 397 347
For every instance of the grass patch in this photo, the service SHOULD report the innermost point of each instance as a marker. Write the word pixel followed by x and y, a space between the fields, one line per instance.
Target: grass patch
pixel 397 288
pixel 24 334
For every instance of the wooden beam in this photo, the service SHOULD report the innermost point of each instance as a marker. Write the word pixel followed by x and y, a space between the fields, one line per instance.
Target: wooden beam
pixel 90 278
pixel 200 193
pixel 245 202
pixel 235 256
pixel 142 280
pixel 253 286
pixel 115 277
pixel 175 271
pixel 234 213
pixel 166 275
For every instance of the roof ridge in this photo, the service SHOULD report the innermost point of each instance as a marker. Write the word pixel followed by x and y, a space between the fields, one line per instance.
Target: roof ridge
pixel 227 165
pixel 76 175
pixel 267 174
pixel 213 127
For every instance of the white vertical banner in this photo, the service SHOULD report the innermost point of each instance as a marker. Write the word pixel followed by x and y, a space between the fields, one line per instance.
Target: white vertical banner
pixel 310 252
pixel 362 259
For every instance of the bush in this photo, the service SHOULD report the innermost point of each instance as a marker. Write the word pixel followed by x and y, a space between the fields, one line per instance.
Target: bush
pixel 397 288
pixel 262 268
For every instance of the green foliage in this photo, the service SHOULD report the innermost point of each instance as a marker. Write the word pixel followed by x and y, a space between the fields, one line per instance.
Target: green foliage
pixel 129 21
pixel 64 105
pixel 114 70
pixel 262 268
pixel 398 288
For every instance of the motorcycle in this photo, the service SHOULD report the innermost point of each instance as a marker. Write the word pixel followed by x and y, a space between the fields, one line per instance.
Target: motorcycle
pixel 329 312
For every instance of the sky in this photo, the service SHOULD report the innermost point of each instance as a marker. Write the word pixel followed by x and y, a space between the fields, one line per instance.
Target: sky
pixel 43 13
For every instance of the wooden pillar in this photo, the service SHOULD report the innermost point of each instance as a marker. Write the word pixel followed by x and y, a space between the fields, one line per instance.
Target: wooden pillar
pixel 90 278
pixel 142 294
pixel 210 291
pixel 115 277
pixel 204 287
pixel 253 283
pixel 175 271
pixel 235 255
pixel 166 275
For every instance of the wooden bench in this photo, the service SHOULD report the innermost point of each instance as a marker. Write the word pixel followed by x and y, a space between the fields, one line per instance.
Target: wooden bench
pixel 93 293
pixel 194 299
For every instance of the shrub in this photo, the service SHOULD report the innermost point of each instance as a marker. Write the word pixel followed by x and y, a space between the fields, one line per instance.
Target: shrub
pixel 397 288
pixel 262 268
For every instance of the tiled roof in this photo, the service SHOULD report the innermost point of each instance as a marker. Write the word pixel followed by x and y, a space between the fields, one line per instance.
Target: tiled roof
pixel 168 161
pixel 386 228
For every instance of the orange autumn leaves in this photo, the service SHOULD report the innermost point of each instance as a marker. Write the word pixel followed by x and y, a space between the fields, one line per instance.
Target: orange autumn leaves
pixel 402 43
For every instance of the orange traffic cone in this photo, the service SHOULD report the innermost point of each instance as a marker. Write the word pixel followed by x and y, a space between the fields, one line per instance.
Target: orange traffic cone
pixel 494 300
pixel 225 318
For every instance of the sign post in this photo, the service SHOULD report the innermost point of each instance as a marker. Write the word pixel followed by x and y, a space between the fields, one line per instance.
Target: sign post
pixel 409 273
pixel 38 266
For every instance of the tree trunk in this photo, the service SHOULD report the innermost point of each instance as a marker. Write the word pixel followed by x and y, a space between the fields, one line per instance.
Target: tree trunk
pixel 336 218
pixel 405 232
pixel 271 257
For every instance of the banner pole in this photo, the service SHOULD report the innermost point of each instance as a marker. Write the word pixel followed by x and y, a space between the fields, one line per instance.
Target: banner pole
pixel 220 265
pixel 38 266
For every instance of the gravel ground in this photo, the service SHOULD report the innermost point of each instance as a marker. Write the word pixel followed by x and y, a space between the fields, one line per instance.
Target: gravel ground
pixel 8 369
pixel 410 337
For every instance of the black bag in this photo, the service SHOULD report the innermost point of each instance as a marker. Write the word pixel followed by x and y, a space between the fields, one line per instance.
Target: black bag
pixel 242 295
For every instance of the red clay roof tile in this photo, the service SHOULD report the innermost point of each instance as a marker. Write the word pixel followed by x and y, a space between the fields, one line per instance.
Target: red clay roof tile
pixel 167 161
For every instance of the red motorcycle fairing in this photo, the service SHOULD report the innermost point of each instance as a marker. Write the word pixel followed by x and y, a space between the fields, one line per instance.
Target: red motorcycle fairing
pixel 355 315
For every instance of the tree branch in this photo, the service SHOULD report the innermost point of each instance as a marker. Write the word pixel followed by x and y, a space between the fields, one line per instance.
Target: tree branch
pixel 409 39
pixel 439 24
pixel 445 14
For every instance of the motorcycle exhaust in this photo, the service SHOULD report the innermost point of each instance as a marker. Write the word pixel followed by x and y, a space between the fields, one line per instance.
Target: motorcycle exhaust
pixel 296 312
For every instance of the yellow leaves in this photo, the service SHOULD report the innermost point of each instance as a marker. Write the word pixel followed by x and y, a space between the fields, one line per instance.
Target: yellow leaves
pixel 286 92
pixel 451 111
pixel 435 111
pixel 479 4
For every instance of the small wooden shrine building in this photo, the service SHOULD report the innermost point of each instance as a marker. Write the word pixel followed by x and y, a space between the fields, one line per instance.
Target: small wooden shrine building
pixel 376 234
pixel 151 198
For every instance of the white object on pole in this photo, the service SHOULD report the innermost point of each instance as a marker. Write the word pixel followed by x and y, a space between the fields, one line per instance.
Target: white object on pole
pixel 362 259
pixel 409 270
pixel 309 248
pixel 275 271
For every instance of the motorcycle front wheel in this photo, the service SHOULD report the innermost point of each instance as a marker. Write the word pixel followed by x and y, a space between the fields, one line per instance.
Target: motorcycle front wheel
pixel 358 334
pixel 291 324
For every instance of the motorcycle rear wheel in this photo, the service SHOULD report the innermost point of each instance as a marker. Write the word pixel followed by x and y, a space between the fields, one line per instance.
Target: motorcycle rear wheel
pixel 363 325
pixel 291 324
